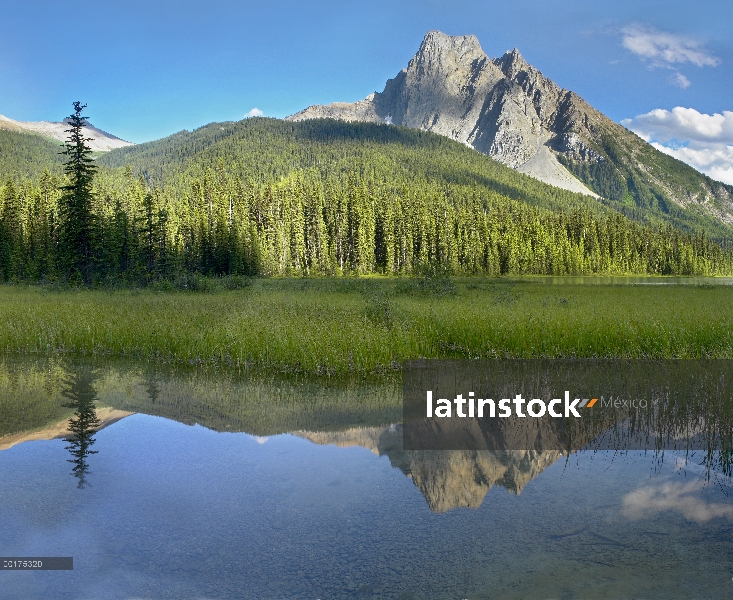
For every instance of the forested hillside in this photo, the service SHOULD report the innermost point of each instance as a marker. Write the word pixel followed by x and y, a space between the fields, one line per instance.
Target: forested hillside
pixel 269 197
pixel 641 182
pixel 25 156
pixel 264 149
pixel 269 148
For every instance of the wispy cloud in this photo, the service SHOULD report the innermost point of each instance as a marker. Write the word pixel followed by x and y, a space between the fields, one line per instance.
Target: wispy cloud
pixel 703 141
pixel 680 80
pixel 667 50
pixel 255 112
pixel 664 49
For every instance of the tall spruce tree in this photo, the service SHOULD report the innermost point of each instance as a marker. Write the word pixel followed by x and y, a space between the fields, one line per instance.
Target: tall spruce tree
pixel 11 233
pixel 76 227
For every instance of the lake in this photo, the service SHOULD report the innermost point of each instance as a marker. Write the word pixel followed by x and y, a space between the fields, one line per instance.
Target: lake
pixel 623 280
pixel 193 484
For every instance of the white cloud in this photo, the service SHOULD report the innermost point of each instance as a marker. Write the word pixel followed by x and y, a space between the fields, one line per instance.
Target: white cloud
pixel 703 141
pixel 664 49
pixel 685 499
pixel 255 112
pixel 683 124
pixel 680 80
pixel 722 173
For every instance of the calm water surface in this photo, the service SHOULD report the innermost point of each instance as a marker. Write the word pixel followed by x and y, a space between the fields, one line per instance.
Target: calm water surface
pixel 624 280
pixel 236 487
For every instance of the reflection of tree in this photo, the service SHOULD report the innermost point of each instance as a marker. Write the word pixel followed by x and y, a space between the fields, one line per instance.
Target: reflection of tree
pixel 79 390
pixel 152 387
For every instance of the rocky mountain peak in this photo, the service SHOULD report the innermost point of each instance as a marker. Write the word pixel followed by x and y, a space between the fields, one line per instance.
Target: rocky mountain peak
pixel 440 49
pixel 512 64
pixel 507 109
pixel 504 107
pixel 448 479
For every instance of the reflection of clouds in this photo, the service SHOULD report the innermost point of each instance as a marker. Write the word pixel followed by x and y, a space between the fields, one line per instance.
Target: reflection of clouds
pixel 684 498
pixel 260 439
pixel 682 463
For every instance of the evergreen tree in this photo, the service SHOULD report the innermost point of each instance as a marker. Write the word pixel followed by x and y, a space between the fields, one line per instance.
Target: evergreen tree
pixel 11 234
pixel 76 227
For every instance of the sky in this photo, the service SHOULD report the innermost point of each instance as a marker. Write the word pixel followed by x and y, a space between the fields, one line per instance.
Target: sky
pixel 149 69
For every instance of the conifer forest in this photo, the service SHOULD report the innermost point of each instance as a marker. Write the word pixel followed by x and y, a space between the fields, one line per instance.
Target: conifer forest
pixel 320 198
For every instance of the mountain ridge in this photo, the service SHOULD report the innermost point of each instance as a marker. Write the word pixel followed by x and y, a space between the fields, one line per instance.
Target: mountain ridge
pixel 447 479
pixel 101 140
pixel 509 110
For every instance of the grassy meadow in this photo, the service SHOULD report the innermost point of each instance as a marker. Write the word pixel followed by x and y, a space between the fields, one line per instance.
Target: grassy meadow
pixel 335 326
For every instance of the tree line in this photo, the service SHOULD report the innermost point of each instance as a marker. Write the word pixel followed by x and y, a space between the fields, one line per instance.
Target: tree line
pixel 305 225
pixel 92 225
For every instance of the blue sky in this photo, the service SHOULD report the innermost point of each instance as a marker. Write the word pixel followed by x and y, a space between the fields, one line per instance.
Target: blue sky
pixel 149 69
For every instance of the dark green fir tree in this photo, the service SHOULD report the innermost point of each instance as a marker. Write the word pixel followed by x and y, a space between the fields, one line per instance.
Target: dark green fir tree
pixel 76 227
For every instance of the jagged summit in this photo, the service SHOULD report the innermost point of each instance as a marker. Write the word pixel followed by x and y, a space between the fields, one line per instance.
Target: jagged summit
pixel 447 479
pixel 451 87
pixel 506 108
pixel 512 63
pixel 439 47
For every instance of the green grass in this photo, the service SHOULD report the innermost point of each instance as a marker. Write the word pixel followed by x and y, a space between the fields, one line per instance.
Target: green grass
pixel 334 326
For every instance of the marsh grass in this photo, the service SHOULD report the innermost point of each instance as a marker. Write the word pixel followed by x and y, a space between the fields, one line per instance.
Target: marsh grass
pixel 434 281
pixel 332 326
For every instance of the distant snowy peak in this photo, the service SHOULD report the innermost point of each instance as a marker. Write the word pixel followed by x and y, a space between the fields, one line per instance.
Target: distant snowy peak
pixel 101 140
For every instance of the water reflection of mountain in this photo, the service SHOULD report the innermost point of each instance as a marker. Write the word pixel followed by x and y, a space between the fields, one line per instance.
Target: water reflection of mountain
pixel 344 413
pixel 356 412
pixel 60 430
pixel 31 398
pixel 447 478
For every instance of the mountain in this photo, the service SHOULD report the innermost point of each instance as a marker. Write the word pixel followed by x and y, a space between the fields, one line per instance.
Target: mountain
pixel 60 430
pixel 507 109
pixel 399 158
pixel 101 140
pixel 447 479
pixel 268 149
